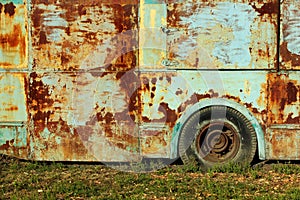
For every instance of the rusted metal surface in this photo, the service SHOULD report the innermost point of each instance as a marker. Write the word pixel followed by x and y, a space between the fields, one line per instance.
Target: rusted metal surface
pixel 13 140
pixel 283 142
pixel 284 116
pixel 284 106
pixel 283 133
pixel 13 97
pixel 223 34
pixel 290 41
pixel 92 114
pixel 13 34
pixel 114 80
pixel 65 34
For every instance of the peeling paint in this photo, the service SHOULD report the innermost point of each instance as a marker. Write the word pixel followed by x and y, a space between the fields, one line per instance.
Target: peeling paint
pixel 284 106
pixel 289 44
pixel 13 35
pixel 13 97
pixel 284 142
pixel 247 41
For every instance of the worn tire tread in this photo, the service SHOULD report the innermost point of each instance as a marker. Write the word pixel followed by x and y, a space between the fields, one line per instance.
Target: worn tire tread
pixel 186 154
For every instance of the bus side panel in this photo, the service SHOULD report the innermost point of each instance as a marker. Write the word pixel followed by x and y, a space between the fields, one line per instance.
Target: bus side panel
pixel 83 116
pixel 13 34
pixel 170 98
pixel 77 35
pixel 284 116
pixel 13 97
pixel 290 35
pixel 14 140
pixel 222 34
pixel 82 95
pixel 284 98
pixel 13 78
pixel 283 142
pixel 13 114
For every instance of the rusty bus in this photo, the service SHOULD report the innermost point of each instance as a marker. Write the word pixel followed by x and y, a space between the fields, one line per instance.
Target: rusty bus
pixel 121 80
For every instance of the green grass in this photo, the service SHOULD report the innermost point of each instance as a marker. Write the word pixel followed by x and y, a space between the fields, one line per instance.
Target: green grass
pixel 38 180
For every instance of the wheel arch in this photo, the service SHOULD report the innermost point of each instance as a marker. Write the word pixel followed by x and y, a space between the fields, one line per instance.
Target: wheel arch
pixel 218 102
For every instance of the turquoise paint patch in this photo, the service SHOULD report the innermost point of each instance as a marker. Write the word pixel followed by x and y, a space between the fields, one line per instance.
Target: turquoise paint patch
pixel 58 140
pixel 13 1
pixel 12 91
pixel 235 16
pixel 7 134
pixel 21 137
pixel 174 140
pixel 154 1
pixel 45 134
pixel 16 134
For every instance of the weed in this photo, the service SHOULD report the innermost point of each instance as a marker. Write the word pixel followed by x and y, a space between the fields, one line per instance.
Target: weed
pixel 237 168
pixel 293 193
pixel 286 168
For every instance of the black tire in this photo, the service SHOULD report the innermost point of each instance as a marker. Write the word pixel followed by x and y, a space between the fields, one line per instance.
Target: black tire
pixel 216 136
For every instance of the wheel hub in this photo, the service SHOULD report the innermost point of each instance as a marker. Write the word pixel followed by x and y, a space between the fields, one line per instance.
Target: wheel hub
pixel 218 141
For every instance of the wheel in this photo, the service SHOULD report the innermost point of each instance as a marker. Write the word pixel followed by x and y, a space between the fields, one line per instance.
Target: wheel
pixel 217 135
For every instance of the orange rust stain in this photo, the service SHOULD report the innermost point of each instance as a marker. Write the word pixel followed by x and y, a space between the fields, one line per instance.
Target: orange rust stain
pixel 9 9
pixel 193 99
pixel 72 145
pixel 128 84
pixel 9 149
pixel 123 16
pixel 118 135
pixel 12 39
pixel 283 92
pixel 155 144
pixel 174 13
pixel 262 99
pixel 78 41
pixel 109 120
pixel 259 114
pixel 281 144
pixel 12 108
pixel 42 37
pixel 36 17
pixel 124 141
pixel 288 57
pixel 69 147
pixel 7 145
pixel 171 116
pixel 39 102
pixel 293 120
pixel 267 8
